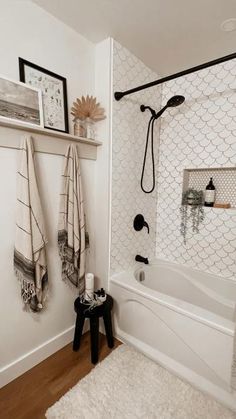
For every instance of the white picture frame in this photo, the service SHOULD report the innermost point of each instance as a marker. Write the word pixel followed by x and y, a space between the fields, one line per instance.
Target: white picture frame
pixel 20 103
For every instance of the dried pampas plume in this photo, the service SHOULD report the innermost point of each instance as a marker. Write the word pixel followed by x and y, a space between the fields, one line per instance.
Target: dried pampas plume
pixel 87 108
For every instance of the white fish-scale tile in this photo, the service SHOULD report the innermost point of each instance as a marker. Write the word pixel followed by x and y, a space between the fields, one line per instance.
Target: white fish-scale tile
pixel 218 133
pixel 198 134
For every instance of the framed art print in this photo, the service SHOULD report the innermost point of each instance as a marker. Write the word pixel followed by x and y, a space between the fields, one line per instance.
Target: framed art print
pixel 20 103
pixel 54 94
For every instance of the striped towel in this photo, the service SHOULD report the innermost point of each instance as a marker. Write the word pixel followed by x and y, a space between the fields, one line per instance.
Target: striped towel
pixel 30 240
pixel 71 229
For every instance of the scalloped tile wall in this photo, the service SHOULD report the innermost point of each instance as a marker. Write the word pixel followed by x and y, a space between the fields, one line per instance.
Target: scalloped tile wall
pixel 129 132
pixel 199 134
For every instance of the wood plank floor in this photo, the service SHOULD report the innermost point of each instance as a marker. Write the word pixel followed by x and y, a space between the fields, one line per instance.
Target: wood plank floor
pixel 29 396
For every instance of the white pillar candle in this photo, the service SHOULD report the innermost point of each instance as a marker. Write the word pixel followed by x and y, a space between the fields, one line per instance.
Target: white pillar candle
pixel 89 286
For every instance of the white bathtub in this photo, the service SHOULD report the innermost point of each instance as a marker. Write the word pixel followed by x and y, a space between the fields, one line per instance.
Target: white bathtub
pixel 182 318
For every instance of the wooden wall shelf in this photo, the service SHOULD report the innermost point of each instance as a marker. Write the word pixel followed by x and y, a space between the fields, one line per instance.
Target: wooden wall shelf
pixel 45 140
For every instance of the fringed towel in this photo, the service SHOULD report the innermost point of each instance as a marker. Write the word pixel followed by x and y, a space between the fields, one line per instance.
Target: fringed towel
pixel 71 229
pixel 30 240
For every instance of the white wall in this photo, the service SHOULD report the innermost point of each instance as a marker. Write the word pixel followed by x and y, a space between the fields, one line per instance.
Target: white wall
pixel 29 32
pixel 103 90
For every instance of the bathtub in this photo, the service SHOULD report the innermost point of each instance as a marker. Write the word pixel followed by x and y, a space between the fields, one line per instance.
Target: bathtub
pixel 182 318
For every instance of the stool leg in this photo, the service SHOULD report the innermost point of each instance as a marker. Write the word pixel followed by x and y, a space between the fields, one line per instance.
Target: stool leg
pixel 108 328
pixel 94 336
pixel 78 331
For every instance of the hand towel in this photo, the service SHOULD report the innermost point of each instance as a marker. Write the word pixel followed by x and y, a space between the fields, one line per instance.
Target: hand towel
pixel 71 229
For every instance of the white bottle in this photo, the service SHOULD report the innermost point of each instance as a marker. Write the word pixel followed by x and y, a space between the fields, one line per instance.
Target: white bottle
pixel 89 286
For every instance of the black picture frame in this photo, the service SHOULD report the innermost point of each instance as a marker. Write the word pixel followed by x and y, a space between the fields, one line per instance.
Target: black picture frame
pixel 62 102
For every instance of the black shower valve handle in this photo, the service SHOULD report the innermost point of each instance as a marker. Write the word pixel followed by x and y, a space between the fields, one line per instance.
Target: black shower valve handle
pixel 139 223
pixel 145 224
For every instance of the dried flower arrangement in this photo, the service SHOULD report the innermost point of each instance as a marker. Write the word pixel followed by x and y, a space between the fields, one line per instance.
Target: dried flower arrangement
pixel 88 108
pixel 86 111
pixel 194 200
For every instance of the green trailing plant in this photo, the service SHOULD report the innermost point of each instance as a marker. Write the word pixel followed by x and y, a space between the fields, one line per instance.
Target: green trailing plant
pixel 192 211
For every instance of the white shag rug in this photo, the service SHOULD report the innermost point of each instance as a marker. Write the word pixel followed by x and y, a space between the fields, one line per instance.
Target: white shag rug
pixel 127 385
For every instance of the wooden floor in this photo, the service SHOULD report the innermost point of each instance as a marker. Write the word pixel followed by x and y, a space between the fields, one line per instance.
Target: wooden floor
pixel 29 396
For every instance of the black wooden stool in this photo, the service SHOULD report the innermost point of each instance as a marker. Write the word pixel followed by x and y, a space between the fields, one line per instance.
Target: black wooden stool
pixel 104 310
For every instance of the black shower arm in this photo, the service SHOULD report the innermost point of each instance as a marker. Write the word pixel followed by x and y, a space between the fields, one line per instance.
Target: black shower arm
pixel 143 109
pixel 155 115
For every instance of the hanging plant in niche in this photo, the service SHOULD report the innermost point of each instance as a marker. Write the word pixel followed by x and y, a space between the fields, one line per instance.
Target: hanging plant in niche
pixel 191 211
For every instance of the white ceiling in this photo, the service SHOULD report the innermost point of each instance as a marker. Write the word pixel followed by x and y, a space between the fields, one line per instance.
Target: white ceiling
pixel 168 35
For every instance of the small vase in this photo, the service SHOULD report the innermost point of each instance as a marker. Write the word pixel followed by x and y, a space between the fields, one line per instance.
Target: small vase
pixel 79 128
pixel 90 129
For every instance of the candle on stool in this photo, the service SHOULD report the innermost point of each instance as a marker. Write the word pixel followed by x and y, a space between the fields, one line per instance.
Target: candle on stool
pixel 89 286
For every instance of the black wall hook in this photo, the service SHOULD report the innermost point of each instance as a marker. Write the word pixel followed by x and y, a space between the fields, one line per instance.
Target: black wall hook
pixel 139 223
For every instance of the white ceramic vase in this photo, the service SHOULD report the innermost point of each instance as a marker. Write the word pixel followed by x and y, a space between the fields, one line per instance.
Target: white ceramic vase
pixel 90 129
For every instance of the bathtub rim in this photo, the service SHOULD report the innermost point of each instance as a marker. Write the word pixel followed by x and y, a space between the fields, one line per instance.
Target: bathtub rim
pixel 155 261
pixel 196 282
pixel 187 309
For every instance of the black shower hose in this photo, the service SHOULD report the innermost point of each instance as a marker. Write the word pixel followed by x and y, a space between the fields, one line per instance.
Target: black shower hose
pixel 150 125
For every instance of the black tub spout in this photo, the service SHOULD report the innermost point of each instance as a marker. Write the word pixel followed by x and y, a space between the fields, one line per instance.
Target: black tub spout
pixel 139 258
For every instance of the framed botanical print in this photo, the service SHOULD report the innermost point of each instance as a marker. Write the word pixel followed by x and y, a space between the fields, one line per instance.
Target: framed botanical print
pixel 54 94
pixel 20 103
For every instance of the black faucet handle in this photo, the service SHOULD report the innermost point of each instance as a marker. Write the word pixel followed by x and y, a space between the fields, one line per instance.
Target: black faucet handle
pixel 139 223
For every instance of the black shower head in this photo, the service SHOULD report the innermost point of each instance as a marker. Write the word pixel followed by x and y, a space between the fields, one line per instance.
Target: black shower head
pixel 175 101
pixel 172 102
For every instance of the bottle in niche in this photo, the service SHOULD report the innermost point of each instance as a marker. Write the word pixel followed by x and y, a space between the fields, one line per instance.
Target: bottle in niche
pixel 210 194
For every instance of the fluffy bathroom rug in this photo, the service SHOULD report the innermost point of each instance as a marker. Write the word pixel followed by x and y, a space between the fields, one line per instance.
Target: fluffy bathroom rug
pixel 127 385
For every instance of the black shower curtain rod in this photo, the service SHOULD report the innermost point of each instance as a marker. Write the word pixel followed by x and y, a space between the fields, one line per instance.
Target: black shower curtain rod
pixel 119 95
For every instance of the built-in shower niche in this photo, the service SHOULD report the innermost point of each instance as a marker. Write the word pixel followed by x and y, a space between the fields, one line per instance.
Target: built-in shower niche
pixel 224 179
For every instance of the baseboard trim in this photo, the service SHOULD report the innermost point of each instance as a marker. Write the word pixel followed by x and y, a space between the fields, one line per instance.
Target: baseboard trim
pixel 34 357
